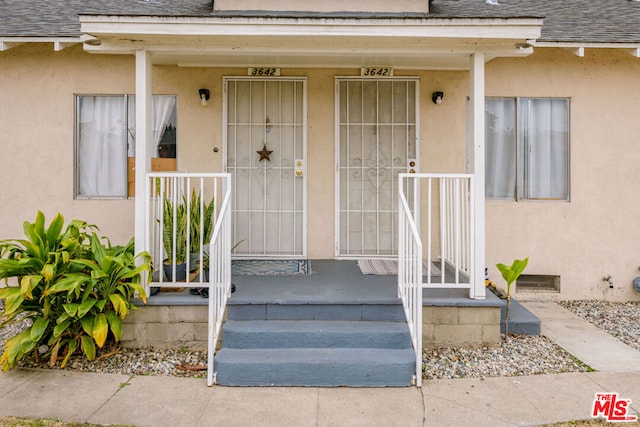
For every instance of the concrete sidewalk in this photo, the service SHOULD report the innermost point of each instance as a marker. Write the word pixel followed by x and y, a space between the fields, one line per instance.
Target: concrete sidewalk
pixel 170 401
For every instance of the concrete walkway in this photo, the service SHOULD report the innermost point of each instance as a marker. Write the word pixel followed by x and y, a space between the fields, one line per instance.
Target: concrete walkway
pixel 169 401
pixel 594 347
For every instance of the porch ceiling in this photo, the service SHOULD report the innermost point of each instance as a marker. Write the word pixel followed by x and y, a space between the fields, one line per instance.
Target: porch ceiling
pixel 421 44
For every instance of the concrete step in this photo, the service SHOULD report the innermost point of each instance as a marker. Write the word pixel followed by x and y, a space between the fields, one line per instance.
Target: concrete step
pixel 315 334
pixel 337 311
pixel 521 320
pixel 315 367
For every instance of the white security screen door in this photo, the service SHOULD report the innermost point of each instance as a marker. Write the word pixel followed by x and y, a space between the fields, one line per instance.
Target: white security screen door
pixel 265 153
pixel 376 131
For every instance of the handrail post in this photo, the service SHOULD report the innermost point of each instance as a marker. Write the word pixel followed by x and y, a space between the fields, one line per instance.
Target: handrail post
pixel 452 206
pixel 172 187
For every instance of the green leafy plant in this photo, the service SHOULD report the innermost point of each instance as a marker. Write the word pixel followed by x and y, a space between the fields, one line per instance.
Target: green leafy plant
pixel 510 275
pixel 196 216
pixel 179 210
pixel 74 288
pixel 195 221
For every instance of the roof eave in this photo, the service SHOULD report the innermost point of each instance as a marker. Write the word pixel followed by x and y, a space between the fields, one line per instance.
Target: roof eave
pixel 577 48
pixel 480 28
pixel 59 43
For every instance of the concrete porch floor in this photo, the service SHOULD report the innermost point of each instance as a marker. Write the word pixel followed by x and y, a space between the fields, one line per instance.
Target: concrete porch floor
pixel 342 282
pixel 335 290
pixel 330 282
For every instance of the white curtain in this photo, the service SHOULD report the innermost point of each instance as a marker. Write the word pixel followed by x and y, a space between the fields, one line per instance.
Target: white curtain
pixel 102 161
pixel 162 113
pixel 547 132
pixel 104 141
pixel 500 148
pixel 163 106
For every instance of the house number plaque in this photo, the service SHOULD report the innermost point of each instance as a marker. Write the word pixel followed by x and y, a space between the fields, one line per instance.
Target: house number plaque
pixel 376 72
pixel 263 71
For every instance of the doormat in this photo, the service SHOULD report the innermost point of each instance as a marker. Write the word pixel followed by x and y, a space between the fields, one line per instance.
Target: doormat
pixel 389 267
pixel 275 267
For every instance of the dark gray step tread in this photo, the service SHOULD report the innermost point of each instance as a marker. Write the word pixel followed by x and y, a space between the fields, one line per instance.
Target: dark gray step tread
pixel 316 355
pixel 314 334
pixel 328 326
pixel 315 367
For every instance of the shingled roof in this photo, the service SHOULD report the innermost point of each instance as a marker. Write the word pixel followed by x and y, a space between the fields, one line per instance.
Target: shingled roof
pixel 60 18
pixel 580 21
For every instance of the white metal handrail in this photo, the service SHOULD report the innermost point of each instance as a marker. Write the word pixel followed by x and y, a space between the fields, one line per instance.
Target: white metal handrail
pixel 188 226
pixel 219 279
pixel 448 202
pixel 410 277
pixel 456 205
pixel 181 207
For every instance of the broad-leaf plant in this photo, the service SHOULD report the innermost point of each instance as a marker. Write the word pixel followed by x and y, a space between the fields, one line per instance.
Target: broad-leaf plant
pixel 510 274
pixel 74 288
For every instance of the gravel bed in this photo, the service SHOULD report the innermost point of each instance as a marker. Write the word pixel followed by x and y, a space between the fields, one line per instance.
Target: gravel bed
pixel 620 319
pixel 18 325
pixel 529 355
pixel 520 355
pixel 145 361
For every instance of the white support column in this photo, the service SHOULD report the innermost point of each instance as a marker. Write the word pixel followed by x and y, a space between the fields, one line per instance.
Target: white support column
pixel 143 144
pixel 476 84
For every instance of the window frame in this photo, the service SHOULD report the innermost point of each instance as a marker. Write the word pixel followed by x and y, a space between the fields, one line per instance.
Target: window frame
pixel 523 149
pixel 126 143
pixel 76 146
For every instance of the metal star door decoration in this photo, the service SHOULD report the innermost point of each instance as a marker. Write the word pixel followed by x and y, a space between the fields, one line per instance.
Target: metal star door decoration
pixel 264 154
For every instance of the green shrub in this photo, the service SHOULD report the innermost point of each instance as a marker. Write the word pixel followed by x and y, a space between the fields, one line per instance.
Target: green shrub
pixel 75 289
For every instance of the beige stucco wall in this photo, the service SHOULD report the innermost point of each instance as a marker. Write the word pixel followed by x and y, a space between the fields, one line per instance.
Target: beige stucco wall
pixel 593 235
pixel 36 114
pixel 597 232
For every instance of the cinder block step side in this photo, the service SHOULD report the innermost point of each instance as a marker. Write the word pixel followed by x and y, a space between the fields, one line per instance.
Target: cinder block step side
pixel 315 334
pixel 368 312
pixel 315 367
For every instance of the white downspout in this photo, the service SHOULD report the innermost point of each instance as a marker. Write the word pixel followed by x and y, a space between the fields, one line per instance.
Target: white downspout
pixel 143 143
pixel 477 82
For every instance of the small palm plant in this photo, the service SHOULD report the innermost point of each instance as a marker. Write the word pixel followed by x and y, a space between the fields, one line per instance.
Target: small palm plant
pixel 510 275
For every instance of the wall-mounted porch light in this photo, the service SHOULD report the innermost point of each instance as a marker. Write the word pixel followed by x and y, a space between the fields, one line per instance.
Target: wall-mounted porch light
pixel 93 41
pixel 523 46
pixel 437 97
pixel 204 96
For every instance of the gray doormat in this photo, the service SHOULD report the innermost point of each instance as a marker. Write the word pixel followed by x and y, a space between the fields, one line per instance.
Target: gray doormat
pixel 275 267
pixel 389 267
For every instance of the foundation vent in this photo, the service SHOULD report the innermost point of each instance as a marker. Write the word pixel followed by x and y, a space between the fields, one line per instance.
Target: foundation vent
pixel 538 283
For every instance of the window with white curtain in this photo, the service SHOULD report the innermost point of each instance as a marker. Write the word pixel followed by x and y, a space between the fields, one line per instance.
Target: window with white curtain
pixel 105 138
pixel 527 148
